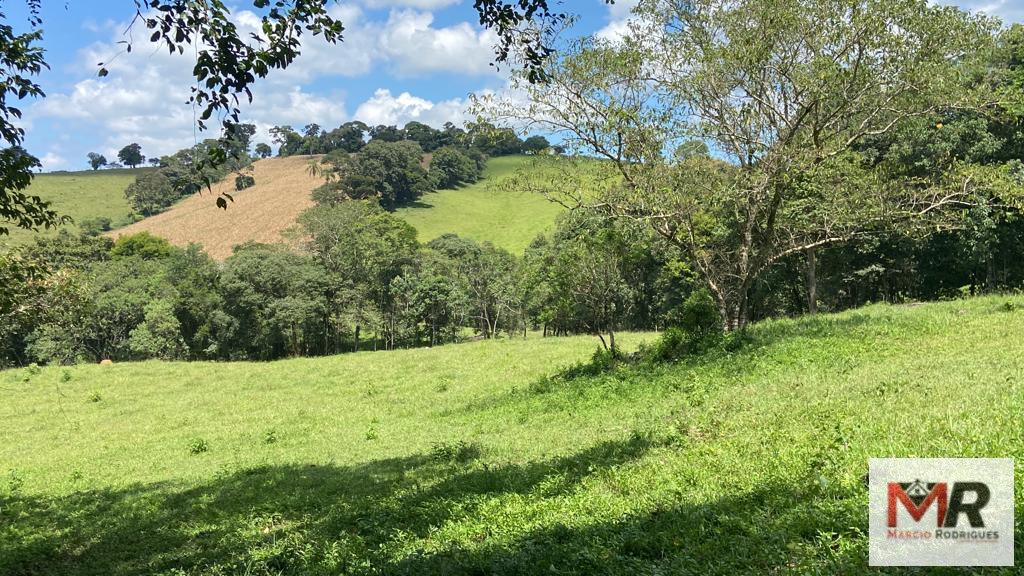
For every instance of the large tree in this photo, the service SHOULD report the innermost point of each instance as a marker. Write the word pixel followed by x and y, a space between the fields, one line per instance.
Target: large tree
pixel 131 155
pixel 734 128
pixel 96 161
pixel 391 172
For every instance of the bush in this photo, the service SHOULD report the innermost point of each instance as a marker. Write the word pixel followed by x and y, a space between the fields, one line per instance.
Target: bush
pixel 674 344
pixel 95 226
pixel 152 193
pixel 460 451
pixel 600 362
pixel 143 245
pixel 700 330
pixel 198 446
pixel 700 316
pixel 244 181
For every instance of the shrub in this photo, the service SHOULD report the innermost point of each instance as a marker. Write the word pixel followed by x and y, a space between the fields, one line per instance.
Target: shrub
pixel 460 451
pixel 372 433
pixel 95 226
pixel 143 245
pixel 152 193
pixel 244 181
pixel 198 446
pixel 700 315
pixel 700 330
pixel 674 344
pixel 601 361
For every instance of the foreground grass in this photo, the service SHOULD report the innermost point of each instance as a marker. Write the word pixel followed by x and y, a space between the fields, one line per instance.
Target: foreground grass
pixel 81 195
pixel 466 460
pixel 485 211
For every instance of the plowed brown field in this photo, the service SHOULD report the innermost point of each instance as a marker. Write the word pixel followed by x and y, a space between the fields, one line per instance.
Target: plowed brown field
pixel 260 213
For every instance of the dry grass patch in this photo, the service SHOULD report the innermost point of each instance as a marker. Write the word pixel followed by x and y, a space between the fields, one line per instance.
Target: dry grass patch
pixel 261 213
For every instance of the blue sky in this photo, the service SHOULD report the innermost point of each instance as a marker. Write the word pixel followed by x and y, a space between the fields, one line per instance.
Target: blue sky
pixel 401 60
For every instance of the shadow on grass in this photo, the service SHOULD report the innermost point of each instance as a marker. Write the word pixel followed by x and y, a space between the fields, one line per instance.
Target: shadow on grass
pixel 276 519
pixel 385 517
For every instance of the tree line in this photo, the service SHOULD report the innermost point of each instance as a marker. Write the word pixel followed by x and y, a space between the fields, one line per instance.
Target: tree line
pixel 354 277
pixel 130 156
pixel 808 160
pixel 483 137
pixel 393 165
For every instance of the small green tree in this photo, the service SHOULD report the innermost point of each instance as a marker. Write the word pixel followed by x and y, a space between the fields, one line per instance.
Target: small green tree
pixel 159 334
pixel 96 161
pixel 363 248
pixel 131 155
pixel 489 279
pixel 151 193
pixel 451 167
pixel 263 150
pixel 244 181
pixel 536 145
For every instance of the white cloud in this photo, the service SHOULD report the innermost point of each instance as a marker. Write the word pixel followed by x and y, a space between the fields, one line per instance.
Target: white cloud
pixel 355 55
pixel 144 100
pixel 412 46
pixel 144 97
pixel 1008 10
pixel 420 4
pixel 384 108
pixel 52 161
pixel 619 18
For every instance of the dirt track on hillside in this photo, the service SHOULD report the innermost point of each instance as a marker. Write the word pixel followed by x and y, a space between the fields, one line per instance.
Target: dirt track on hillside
pixel 261 213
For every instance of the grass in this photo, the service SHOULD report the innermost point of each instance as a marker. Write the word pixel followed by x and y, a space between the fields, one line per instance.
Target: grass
pixel 454 460
pixel 484 211
pixel 81 195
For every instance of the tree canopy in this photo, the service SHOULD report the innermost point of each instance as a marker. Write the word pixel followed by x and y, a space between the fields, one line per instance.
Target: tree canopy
pixel 131 155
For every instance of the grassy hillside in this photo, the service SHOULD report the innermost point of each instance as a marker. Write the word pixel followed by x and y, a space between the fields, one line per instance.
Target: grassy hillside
pixel 484 211
pixel 465 459
pixel 81 195
pixel 260 213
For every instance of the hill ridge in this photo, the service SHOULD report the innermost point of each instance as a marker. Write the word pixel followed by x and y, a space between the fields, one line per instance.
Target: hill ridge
pixel 261 213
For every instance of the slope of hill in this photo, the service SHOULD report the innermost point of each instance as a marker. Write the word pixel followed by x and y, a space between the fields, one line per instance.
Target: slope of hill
pixel 260 213
pixel 484 211
pixel 466 459
pixel 81 195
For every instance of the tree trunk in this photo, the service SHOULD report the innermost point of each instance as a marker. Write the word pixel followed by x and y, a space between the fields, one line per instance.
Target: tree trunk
pixel 812 281
pixel 355 347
